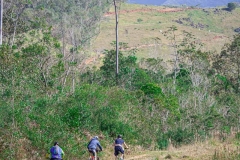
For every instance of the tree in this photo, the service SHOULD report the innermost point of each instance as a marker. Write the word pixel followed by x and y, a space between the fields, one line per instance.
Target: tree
pixel 127 65
pixel 186 52
pixel 231 6
pixel 174 43
pixel 116 9
pixel 227 63
pixel 117 49
pixel 14 21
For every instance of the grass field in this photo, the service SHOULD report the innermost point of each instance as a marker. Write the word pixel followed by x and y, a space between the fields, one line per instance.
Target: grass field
pixel 142 26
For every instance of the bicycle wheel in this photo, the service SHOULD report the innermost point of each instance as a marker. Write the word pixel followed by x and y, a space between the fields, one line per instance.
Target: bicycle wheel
pixel 119 157
pixel 92 158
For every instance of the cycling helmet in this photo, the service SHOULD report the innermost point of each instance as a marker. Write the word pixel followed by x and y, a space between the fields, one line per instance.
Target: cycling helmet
pixel 96 137
pixel 119 136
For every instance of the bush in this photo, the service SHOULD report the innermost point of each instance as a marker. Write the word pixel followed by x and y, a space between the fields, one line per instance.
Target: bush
pixel 139 20
pixel 231 6
pixel 78 116
pixel 151 89
pixel 237 136
pixel 162 141
pixel 181 136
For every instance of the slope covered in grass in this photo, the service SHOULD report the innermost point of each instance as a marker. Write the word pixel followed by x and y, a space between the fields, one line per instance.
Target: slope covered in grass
pixel 142 26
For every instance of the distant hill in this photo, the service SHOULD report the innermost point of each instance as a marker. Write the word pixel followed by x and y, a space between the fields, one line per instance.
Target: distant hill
pixel 200 3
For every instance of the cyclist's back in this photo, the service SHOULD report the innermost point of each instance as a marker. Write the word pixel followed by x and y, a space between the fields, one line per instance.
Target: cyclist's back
pixel 119 146
pixel 56 152
pixel 119 142
pixel 93 145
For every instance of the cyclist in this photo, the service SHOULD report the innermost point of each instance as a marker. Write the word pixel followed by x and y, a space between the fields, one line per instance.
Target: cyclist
pixel 56 152
pixel 119 145
pixel 93 145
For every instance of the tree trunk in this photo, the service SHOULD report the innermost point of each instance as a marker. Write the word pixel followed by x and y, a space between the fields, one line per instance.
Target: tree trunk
pixel 117 50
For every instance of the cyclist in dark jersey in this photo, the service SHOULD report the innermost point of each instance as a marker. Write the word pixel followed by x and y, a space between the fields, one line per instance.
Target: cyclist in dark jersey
pixel 119 145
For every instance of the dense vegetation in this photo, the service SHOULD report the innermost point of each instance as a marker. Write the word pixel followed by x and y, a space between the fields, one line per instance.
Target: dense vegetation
pixel 47 96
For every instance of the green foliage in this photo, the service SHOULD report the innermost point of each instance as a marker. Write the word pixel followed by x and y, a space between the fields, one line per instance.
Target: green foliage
pixel 224 81
pixel 183 81
pixel 177 137
pixel 140 78
pixel 151 89
pixel 79 116
pixel 231 6
pixel 163 141
pixel 139 20
pixel 110 123
pixel 181 136
pixel 227 65
pixel 127 65
pixel 237 136
pixel 5 113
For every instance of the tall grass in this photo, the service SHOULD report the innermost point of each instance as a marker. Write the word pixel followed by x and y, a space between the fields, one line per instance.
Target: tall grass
pixel 227 153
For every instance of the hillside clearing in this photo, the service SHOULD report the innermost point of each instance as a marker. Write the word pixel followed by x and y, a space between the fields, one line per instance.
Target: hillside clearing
pixel 142 27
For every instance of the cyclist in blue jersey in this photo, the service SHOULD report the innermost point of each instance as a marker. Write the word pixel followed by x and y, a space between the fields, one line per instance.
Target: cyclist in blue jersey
pixel 93 145
pixel 56 152
pixel 119 146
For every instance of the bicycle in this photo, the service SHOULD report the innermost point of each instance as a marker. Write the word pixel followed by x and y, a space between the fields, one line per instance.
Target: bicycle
pixel 120 156
pixel 92 157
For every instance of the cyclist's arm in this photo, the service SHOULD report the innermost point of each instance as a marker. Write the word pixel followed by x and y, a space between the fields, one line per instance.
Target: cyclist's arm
pixel 125 145
pixel 99 146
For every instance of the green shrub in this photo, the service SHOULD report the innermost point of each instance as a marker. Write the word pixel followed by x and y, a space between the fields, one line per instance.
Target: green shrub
pixel 151 89
pixel 162 141
pixel 139 20
pixel 181 136
pixel 78 116
pixel 237 136
pixel 231 6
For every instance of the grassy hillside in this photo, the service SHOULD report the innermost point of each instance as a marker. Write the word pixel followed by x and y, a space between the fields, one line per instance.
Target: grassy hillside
pixel 141 26
pixel 202 3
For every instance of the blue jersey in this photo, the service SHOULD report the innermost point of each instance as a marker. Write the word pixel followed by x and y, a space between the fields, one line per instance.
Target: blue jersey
pixel 93 144
pixel 56 152
pixel 119 141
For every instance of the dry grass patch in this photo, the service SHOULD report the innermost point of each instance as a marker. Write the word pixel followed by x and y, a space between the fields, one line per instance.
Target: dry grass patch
pixel 199 151
pixel 139 25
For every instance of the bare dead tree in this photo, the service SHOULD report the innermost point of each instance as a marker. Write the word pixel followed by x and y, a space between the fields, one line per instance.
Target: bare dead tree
pixel 117 47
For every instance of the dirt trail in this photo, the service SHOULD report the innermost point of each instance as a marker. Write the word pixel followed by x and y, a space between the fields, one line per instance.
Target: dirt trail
pixel 197 151
pixel 136 157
